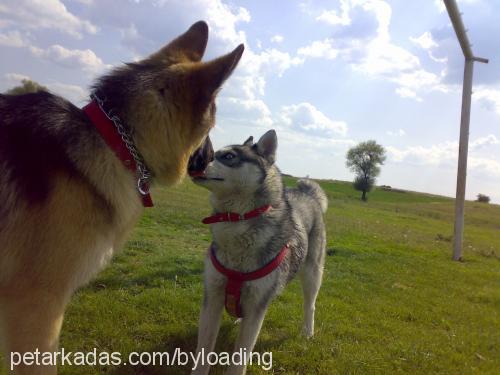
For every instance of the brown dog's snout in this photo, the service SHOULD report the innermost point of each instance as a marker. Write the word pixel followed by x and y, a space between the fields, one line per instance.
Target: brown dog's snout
pixel 200 158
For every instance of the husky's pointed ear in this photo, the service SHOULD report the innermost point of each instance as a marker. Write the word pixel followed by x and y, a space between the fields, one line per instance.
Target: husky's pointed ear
pixel 266 146
pixel 248 142
pixel 209 77
pixel 189 46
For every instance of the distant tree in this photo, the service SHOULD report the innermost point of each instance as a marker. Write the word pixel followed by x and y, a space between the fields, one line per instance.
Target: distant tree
pixel 483 198
pixel 27 86
pixel 365 160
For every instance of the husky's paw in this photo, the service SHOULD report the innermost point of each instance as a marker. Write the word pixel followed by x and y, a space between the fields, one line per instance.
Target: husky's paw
pixel 307 332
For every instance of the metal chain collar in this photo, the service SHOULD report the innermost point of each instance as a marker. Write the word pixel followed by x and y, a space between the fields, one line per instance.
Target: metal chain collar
pixel 144 175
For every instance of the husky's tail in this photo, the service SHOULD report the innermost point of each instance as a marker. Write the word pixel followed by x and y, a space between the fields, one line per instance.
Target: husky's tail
pixel 312 189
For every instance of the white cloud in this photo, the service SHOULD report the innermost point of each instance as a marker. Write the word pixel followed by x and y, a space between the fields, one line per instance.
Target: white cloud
pixel 376 56
pixel 427 42
pixel 306 118
pixel 386 59
pixel 249 80
pixel 383 13
pixel 130 33
pixel 484 141
pixel 440 5
pixel 244 85
pixel 277 38
pixel 47 14
pixel 396 133
pixel 489 97
pixel 302 123
pixel 489 167
pixel 302 120
pixel 320 49
pixel 223 19
pixel 446 154
pixel 442 60
pixel 316 145
pixel 16 77
pixel 433 155
pixel 84 2
pixel 332 17
pixel 406 92
pixel 272 61
pixel 12 39
pixel 246 112
pixel 417 79
pixel 86 59
pixel 73 93
pixel 424 41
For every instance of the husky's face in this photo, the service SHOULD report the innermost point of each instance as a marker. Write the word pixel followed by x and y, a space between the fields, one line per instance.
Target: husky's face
pixel 240 169
pixel 168 99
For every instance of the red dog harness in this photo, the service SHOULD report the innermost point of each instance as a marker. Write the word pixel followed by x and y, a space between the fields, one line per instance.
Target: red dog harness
pixel 235 279
pixel 113 139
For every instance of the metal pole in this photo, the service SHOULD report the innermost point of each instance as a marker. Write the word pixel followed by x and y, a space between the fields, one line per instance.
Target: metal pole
pixel 462 159
pixel 458 25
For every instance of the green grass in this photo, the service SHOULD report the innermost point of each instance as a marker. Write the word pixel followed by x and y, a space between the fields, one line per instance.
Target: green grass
pixel 392 301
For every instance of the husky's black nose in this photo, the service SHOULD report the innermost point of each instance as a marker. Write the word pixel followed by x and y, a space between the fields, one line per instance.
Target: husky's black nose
pixel 201 157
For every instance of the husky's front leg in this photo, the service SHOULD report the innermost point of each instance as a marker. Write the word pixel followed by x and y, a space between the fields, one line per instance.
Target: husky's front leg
pixel 249 331
pixel 211 312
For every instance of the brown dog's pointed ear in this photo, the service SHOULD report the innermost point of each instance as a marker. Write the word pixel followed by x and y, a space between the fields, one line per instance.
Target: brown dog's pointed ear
pixel 248 142
pixel 189 46
pixel 210 76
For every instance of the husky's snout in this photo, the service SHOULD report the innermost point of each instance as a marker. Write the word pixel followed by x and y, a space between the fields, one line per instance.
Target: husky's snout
pixel 200 158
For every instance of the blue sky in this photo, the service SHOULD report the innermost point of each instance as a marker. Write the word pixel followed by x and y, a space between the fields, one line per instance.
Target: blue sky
pixel 324 74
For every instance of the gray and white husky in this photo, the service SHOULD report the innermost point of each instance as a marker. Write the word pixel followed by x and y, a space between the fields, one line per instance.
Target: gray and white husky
pixel 258 223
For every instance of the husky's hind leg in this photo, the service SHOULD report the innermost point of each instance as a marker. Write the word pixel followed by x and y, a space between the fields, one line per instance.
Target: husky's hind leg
pixel 311 276
pixel 30 320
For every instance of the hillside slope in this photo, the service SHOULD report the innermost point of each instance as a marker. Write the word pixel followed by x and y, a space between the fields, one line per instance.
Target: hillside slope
pixel 391 301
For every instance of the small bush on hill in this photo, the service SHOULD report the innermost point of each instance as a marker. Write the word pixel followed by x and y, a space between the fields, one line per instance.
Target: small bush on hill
pixel 483 198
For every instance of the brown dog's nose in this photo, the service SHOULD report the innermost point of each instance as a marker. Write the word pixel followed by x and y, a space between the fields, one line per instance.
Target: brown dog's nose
pixel 200 158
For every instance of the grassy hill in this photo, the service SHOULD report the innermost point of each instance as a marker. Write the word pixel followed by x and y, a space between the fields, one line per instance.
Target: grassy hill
pixel 392 300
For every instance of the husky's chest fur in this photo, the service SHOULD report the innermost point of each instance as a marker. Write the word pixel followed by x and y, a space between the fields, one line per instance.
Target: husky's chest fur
pixel 245 245
pixel 239 244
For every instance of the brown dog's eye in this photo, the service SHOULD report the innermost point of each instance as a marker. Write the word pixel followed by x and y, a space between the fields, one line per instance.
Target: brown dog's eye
pixel 162 91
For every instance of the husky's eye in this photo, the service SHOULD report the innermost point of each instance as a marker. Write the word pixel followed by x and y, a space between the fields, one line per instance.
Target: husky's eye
pixel 227 156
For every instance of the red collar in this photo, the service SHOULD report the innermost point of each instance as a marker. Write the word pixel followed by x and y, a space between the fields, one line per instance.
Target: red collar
pixel 235 279
pixel 233 216
pixel 113 139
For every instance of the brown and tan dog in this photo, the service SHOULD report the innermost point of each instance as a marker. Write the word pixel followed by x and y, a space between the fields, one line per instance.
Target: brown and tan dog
pixel 67 203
